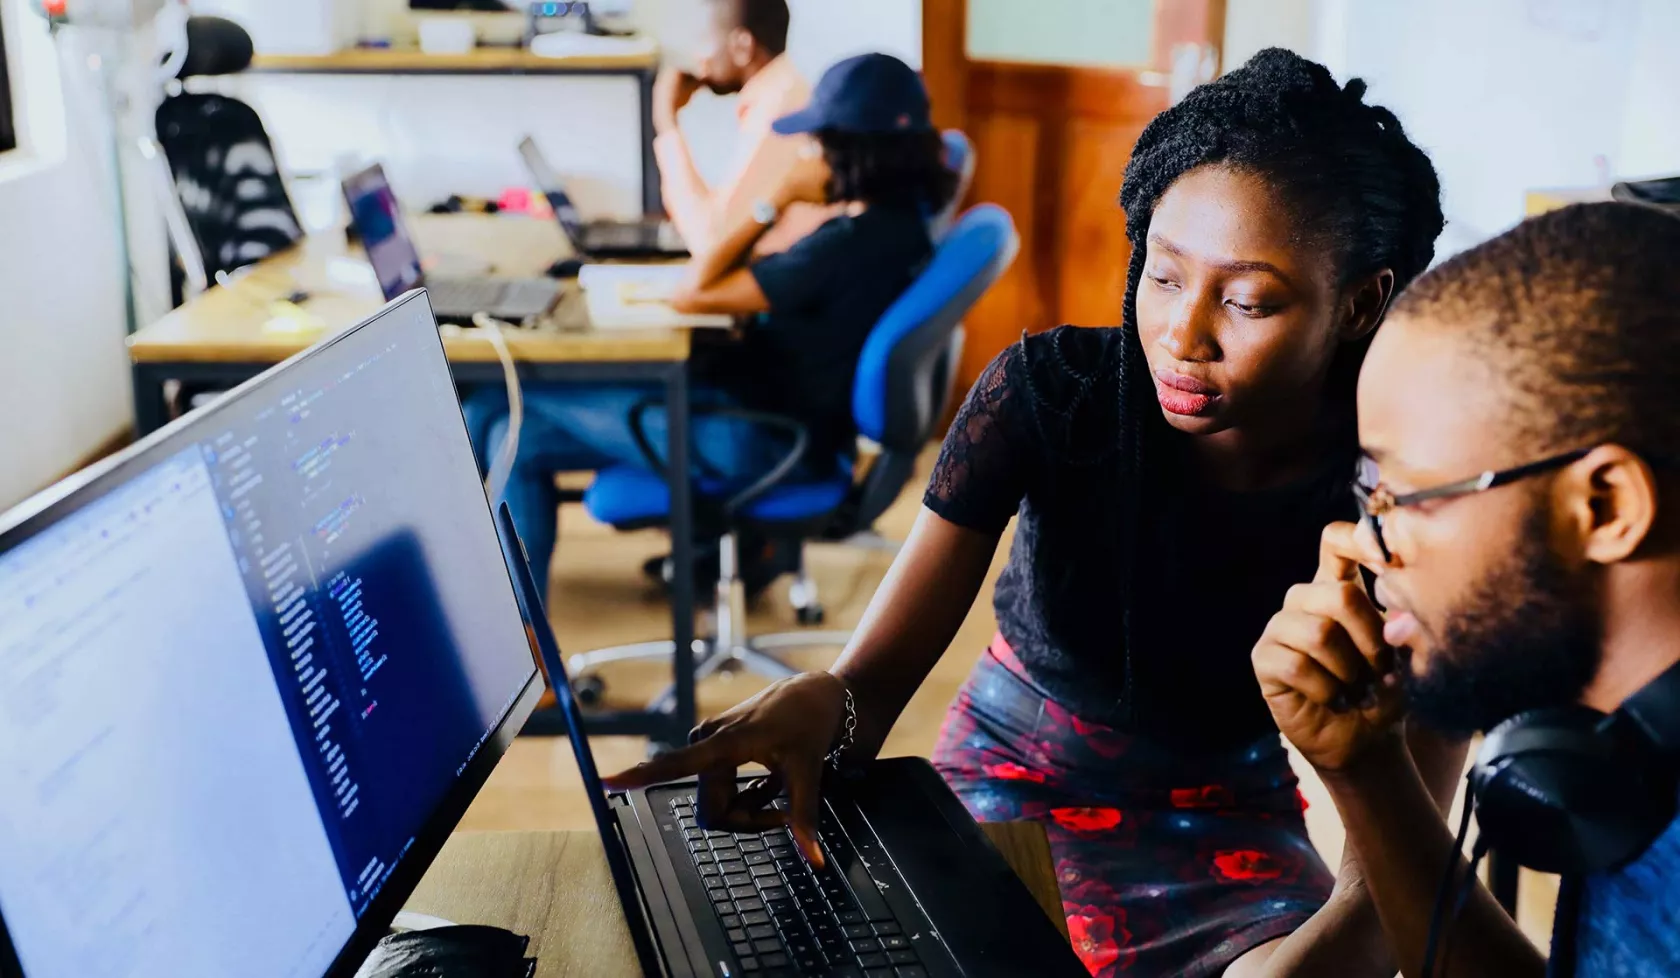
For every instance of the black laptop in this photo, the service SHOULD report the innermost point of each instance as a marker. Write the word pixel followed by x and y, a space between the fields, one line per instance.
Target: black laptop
pixel 911 887
pixel 649 238
pixel 376 216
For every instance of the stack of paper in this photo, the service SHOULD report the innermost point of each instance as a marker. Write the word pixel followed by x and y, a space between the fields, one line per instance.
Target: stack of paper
pixel 635 297
pixel 575 44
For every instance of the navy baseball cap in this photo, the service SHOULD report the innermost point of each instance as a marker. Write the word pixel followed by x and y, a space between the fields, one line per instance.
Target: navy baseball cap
pixel 871 93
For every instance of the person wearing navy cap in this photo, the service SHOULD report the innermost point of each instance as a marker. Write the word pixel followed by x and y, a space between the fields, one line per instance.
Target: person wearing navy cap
pixel 874 156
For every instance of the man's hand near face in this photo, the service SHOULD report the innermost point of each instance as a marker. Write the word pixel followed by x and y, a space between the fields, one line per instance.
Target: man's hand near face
pixel 672 91
pixel 1325 671
pixel 1332 685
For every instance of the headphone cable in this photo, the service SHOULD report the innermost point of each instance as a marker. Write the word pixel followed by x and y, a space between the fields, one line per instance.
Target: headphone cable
pixel 1444 896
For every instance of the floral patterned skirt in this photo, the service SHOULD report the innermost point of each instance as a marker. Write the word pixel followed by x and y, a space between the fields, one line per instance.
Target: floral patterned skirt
pixel 1169 864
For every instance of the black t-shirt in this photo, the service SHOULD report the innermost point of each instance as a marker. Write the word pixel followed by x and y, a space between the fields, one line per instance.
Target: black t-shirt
pixel 826 294
pixel 1039 436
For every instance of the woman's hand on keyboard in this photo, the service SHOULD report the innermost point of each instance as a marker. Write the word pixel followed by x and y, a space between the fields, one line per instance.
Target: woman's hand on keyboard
pixel 789 728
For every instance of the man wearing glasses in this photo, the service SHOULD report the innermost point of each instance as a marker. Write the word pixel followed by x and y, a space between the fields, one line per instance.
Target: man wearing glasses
pixel 1520 416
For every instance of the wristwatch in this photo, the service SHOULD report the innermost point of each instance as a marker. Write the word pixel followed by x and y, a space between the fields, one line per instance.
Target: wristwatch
pixel 764 212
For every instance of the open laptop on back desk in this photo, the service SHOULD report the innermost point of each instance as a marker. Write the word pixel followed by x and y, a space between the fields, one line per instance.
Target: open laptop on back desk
pixel 644 239
pixel 377 217
pixel 911 887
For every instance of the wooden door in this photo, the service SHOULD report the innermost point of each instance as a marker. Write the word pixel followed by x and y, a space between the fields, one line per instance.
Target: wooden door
pixel 1052 141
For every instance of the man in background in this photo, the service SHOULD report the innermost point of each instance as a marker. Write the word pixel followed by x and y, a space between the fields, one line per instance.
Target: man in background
pixel 744 53
pixel 1549 359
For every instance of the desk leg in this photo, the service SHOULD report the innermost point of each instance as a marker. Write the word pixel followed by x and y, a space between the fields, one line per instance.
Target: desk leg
pixel 1502 880
pixel 653 202
pixel 151 408
pixel 682 555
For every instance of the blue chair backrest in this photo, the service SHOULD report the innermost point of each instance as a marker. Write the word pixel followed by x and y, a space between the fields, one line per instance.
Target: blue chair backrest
pixel 903 371
pixel 959 156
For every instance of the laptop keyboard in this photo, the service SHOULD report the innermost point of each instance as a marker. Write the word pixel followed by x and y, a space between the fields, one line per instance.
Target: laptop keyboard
pixel 620 236
pixel 784 918
pixel 480 294
pixel 493 295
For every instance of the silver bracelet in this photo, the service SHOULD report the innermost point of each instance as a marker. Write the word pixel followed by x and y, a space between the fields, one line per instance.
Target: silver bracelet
pixel 848 731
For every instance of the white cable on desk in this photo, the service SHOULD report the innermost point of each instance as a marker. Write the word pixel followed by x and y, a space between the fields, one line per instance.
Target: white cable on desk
pixel 495 483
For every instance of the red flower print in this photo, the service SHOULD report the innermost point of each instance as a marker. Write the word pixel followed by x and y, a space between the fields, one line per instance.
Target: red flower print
pixel 1010 771
pixel 1207 796
pixel 1302 799
pixel 1079 890
pixel 1094 933
pixel 1103 741
pixel 1087 819
pixel 1246 864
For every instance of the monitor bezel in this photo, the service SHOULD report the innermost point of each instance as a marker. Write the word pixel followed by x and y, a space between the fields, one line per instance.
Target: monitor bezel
pixel 54 504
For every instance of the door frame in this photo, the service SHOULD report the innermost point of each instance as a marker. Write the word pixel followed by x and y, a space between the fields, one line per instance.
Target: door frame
pixel 1057 97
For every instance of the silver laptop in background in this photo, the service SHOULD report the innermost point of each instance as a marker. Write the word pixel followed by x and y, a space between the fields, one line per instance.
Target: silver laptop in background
pixel 648 238
pixel 377 217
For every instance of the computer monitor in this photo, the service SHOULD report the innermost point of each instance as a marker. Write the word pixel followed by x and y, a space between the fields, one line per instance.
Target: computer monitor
pixel 377 217
pixel 252 672
pixel 548 181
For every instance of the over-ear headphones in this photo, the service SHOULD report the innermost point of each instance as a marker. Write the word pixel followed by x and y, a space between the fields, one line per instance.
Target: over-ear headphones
pixel 1571 790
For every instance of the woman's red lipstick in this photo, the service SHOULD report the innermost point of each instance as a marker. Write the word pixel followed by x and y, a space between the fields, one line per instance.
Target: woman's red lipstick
pixel 1183 395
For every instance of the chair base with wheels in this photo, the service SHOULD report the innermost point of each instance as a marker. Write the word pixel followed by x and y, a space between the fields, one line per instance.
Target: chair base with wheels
pixel 902 390
pixel 629 497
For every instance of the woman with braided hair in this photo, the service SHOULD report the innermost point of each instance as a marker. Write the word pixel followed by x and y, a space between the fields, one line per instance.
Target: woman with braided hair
pixel 1171 479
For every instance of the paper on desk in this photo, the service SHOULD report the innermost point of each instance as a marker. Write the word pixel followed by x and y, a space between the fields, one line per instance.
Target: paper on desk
pixel 634 297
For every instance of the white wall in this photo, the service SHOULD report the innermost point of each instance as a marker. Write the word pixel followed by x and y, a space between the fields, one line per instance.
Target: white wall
pixel 1651 127
pixel 64 386
pixel 455 134
pixel 1251 25
pixel 1506 95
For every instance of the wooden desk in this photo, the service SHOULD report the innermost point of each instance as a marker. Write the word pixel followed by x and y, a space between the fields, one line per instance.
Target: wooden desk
pixel 493 61
pixel 229 335
pixel 238 326
pixel 555 887
pixel 479 61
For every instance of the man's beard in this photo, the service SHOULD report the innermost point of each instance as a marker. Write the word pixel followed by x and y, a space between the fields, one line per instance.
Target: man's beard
pixel 1525 639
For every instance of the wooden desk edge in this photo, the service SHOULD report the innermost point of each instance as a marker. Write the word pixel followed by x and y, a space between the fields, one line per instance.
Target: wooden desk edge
pixel 488 61
pixel 510 879
pixel 654 346
pixel 1026 848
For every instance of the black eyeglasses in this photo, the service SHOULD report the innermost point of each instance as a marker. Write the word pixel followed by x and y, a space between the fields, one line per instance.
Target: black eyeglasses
pixel 1376 501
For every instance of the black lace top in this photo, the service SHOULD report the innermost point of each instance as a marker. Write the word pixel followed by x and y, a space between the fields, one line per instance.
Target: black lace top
pixel 1040 435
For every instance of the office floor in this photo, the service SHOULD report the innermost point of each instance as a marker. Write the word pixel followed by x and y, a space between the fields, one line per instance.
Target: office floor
pixel 599 598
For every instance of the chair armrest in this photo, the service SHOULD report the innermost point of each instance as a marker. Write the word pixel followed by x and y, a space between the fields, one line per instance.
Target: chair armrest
pixel 780 471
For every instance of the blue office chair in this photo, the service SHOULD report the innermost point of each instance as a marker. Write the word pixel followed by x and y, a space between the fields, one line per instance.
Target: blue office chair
pixel 959 156
pixel 903 389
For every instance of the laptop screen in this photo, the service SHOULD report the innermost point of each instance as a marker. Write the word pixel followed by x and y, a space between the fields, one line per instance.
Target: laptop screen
pixel 243 672
pixel 548 181
pixel 377 217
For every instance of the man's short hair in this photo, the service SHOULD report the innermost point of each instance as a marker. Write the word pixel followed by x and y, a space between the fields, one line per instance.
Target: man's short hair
pixel 1578 314
pixel 766 20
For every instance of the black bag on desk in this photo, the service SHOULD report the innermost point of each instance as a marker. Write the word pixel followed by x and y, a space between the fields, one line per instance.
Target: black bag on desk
pixel 1663 194
pixel 451 952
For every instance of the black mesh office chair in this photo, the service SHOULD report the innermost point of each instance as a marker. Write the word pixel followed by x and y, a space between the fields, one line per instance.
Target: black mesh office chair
pixel 221 162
